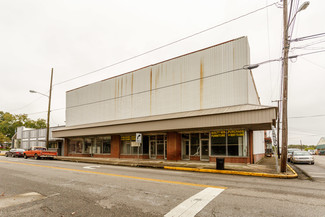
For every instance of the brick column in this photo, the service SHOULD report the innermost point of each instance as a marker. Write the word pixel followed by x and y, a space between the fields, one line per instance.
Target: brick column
pixel 250 142
pixel 115 146
pixel 173 146
pixel 65 147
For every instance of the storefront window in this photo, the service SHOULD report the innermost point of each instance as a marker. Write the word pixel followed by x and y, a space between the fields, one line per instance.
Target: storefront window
pixel 126 145
pixel 160 145
pixel 75 145
pixel 87 145
pixel 195 144
pixel 218 142
pixel 235 142
pixel 228 143
pixel 106 145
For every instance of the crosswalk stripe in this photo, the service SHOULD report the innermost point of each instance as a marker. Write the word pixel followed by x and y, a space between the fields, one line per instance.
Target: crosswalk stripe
pixel 195 204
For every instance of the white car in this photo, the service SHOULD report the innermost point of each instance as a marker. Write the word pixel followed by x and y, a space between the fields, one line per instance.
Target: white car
pixel 302 157
pixel 312 152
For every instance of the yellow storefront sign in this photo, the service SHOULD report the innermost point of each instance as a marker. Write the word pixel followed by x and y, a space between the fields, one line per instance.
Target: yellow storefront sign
pixel 222 133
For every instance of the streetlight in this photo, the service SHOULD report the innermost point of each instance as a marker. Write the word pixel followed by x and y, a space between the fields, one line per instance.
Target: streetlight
pixel 48 110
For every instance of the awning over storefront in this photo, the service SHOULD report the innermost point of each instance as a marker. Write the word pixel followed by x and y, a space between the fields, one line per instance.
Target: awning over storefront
pixel 254 117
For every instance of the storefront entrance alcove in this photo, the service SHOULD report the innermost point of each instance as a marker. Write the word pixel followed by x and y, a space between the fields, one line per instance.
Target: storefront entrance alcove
pixel 195 146
pixel 157 146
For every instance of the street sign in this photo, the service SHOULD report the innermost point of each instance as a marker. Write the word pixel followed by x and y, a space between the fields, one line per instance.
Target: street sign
pixel 135 144
pixel 138 137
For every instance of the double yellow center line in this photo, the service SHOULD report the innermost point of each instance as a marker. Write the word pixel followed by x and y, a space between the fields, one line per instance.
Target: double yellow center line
pixel 116 175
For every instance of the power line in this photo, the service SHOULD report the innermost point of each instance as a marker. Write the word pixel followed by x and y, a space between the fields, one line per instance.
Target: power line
pixel 310 44
pixel 163 46
pixel 308 37
pixel 308 116
pixel 53 110
pixel 158 88
pixel 244 67
pixel 166 45
pixel 320 66
pixel 304 54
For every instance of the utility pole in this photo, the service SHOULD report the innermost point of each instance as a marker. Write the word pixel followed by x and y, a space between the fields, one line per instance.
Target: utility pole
pixel 48 113
pixel 286 45
pixel 278 128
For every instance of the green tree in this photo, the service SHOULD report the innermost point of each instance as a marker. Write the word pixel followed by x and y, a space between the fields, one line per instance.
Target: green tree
pixel 9 123
pixel 3 138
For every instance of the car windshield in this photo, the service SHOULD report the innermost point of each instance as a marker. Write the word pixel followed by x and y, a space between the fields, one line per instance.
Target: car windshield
pixel 301 153
pixel 40 149
pixel 292 150
pixel 20 150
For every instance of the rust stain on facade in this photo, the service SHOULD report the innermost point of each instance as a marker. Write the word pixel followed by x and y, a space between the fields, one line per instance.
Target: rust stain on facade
pixel 150 89
pixel 121 85
pixel 201 83
pixel 132 94
pixel 132 84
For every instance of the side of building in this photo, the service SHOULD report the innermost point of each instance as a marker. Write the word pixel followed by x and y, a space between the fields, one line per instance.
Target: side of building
pixel 26 138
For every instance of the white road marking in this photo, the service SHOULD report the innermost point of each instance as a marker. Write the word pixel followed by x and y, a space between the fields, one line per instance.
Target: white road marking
pixel 53 195
pixel 195 204
pixel 20 199
pixel 91 167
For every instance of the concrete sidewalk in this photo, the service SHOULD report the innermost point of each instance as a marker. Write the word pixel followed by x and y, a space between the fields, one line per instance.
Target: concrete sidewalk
pixel 264 168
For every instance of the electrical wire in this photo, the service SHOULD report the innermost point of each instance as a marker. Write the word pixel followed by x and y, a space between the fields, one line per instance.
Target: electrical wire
pixel 308 37
pixel 166 45
pixel 145 91
pixel 308 116
pixel 320 66
pixel 310 44
pixel 180 83
pixel 155 49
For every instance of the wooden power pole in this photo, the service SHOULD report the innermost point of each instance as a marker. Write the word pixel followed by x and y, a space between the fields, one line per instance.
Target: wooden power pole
pixel 286 45
pixel 48 113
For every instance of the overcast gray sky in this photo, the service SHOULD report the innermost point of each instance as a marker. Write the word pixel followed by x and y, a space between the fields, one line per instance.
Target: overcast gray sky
pixel 79 36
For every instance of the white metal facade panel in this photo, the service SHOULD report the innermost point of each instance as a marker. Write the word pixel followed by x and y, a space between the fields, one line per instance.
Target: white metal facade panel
pixel 199 80
pixel 258 142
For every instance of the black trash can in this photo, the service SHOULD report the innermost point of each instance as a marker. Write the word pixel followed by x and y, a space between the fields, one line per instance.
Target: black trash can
pixel 220 163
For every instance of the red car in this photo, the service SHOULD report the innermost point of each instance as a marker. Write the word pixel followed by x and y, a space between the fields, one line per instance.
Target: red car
pixel 15 153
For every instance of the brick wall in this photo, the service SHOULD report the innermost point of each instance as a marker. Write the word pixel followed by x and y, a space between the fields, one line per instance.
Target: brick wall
pixel 173 146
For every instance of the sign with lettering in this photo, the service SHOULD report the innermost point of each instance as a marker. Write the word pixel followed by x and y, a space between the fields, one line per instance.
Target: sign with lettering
pixel 220 133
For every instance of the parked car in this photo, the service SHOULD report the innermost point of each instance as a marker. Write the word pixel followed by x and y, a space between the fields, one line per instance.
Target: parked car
pixel 15 153
pixel 38 152
pixel 302 157
pixel 290 151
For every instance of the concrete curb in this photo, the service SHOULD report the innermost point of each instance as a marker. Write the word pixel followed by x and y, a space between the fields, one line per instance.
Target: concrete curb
pixel 127 164
pixel 231 172
pixel 303 172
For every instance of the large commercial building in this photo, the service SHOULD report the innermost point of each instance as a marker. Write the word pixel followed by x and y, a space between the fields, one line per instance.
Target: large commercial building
pixel 197 106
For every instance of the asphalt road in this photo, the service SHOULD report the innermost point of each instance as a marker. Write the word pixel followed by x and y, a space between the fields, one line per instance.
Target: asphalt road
pixel 316 171
pixel 58 188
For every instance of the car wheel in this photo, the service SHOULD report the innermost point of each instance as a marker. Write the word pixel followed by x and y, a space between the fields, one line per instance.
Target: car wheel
pixel 6 155
pixel 312 163
pixel 25 156
pixel 35 156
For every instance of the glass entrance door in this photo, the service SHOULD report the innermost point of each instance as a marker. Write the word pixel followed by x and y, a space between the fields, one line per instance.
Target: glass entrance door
pixel 185 149
pixel 152 149
pixel 204 149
